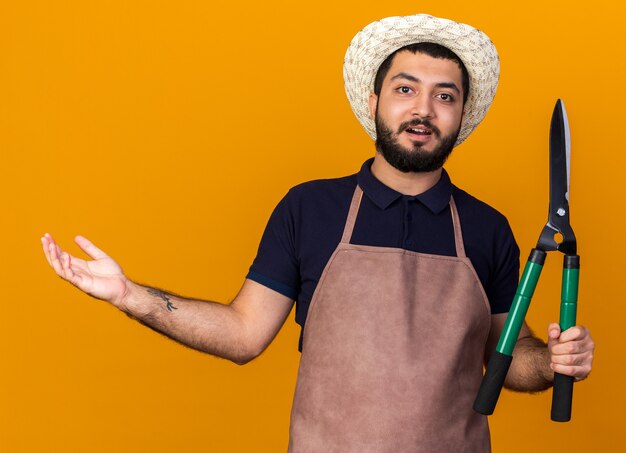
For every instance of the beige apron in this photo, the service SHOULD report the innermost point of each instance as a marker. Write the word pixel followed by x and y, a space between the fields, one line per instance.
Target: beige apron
pixel 392 354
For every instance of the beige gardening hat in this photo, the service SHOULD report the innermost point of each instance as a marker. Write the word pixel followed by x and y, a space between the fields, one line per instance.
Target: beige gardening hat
pixel 372 45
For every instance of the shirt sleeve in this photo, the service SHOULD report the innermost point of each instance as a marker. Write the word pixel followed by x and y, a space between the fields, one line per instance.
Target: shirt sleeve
pixel 503 284
pixel 276 263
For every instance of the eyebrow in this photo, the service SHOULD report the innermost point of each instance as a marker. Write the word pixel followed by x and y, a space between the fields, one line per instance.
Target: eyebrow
pixel 404 75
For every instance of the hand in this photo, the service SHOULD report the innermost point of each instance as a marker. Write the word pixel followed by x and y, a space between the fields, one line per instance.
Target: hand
pixel 571 351
pixel 101 278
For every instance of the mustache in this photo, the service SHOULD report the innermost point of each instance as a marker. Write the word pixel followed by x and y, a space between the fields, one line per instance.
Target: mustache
pixel 419 122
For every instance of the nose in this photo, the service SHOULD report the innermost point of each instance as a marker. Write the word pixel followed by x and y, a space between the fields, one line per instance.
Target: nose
pixel 422 106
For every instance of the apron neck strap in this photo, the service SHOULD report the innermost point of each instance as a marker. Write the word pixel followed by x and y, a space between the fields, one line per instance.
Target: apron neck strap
pixel 354 210
pixel 458 234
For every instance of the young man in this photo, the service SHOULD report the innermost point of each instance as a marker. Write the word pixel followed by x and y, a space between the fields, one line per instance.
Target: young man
pixel 402 280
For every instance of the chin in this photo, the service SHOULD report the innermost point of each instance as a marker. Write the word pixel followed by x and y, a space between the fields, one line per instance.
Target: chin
pixel 417 147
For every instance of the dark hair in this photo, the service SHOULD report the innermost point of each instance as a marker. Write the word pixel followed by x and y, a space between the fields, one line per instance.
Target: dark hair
pixel 432 50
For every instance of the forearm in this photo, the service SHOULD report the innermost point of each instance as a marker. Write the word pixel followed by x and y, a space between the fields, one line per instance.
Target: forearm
pixel 530 370
pixel 209 327
pixel 239 331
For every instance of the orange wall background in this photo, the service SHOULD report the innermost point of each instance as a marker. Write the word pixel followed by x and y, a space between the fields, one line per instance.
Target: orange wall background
pixel 167 131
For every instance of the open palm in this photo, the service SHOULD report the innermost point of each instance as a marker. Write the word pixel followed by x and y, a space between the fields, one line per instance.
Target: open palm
pixel 101 277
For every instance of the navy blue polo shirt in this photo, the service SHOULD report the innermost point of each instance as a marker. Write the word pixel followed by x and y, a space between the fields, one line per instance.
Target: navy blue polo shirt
pixel 307 225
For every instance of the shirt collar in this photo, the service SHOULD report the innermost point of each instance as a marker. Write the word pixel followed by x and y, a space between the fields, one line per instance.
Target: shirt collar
pixel 436 198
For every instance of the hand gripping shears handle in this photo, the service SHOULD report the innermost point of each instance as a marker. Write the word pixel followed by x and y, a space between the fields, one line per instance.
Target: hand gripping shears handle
pixel 564 385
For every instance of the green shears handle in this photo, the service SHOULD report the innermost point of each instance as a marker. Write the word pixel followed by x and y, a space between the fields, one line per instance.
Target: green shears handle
pixel 501 359
pixel 564 385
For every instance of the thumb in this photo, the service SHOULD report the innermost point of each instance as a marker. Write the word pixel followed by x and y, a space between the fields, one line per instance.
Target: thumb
pixel 89 248
pixel 554 331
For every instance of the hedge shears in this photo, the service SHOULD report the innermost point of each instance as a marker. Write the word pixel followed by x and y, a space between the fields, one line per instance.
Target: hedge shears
pixel 557 235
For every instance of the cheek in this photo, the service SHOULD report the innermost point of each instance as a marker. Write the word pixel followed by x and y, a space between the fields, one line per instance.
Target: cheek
pixel 393 111
pixel 451 118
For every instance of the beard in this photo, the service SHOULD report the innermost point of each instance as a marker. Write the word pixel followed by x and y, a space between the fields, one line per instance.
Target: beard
pixel 414 159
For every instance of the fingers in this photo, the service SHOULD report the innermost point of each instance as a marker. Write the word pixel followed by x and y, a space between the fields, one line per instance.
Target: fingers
pixel 47 242
pixel 571 352
pixel 572 360
pixel 58 259
pixel 51 248
pixel 89 248
pixel 52 252
pixel 578 365
pixel 575 333
pixel 55 261
pixel 578 372
pixel 574 340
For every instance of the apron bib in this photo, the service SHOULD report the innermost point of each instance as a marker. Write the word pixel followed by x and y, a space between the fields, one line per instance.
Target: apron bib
pixel 392 353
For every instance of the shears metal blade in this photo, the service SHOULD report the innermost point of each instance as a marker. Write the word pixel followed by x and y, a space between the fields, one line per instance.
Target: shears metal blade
pixel 558 212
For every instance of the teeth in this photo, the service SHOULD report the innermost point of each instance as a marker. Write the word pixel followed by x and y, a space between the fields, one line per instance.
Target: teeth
pixel 419 131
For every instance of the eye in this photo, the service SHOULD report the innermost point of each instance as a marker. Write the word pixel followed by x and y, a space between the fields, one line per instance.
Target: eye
pixel 404 89
pixel 445 97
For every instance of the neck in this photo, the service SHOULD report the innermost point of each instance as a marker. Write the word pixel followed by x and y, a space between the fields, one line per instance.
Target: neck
pixel 412 183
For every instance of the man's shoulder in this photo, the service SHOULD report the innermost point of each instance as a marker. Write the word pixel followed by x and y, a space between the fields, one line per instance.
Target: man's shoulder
pixel 471 206
pixel 314 206
pixel 321 190
pixel 488 230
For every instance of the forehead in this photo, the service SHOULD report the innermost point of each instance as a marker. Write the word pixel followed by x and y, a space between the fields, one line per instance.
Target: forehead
pixel 425 68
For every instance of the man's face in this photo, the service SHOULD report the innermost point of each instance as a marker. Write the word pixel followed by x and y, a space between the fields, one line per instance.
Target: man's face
pixel 418 112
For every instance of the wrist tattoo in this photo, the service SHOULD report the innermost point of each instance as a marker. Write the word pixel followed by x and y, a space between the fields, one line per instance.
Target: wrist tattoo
pixel 162 295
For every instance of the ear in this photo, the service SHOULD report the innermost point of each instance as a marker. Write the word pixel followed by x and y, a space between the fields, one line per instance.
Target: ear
pixel 373 102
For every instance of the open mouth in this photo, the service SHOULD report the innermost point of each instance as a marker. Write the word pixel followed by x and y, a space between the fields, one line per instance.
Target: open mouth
pixel 419 131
